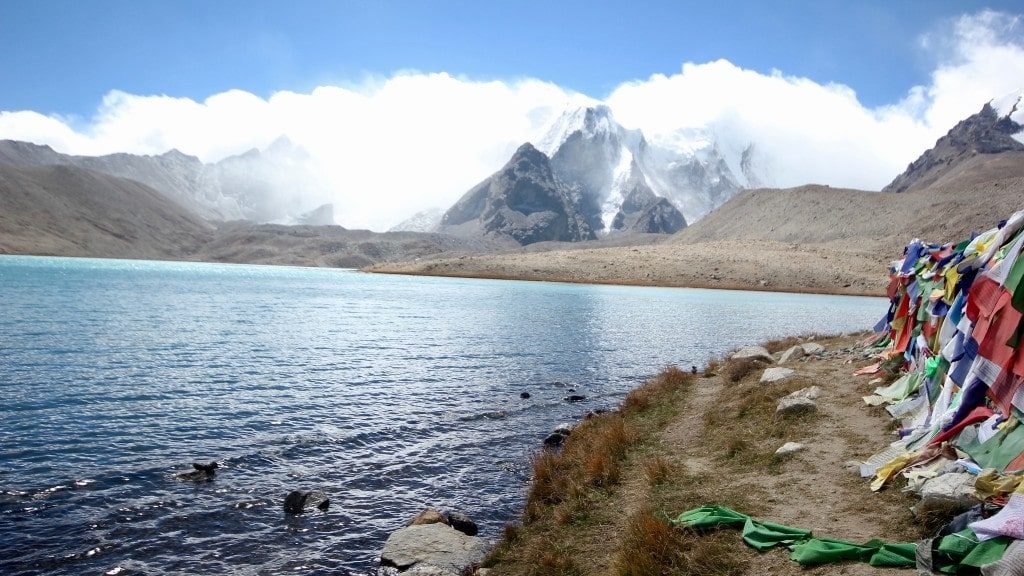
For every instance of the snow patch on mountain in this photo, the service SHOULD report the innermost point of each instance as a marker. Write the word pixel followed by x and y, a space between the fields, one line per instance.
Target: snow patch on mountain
pixel 1011 106
pixel 597 156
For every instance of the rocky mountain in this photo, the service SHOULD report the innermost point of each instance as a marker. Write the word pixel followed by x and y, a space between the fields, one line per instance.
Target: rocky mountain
pixel 644 211
pixel 423 221
pixel 62 210
pixel 278 184
pixel 71 211
pixel 990 137
pixel 524 202
pixel 595 155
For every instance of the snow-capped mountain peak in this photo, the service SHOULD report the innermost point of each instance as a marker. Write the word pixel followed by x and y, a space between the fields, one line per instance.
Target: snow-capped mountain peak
pixel 1011 106
pixel 604 161
pixel 593 121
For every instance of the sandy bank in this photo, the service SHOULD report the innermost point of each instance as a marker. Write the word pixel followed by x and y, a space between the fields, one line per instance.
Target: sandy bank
pixel 746 265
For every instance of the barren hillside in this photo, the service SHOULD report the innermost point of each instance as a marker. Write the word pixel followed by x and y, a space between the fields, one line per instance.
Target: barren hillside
pixel 63 210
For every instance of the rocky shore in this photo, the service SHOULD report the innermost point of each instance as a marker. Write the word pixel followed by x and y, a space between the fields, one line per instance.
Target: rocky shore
pixel 777 430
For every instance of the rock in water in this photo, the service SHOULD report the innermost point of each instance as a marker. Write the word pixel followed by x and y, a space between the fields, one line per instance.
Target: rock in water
pixel 524 395
pixel 428 516
pixel 554 440
pixel 436 545
pixel 574 398
pixel 201 472
pixel 462 523
pixel 299 501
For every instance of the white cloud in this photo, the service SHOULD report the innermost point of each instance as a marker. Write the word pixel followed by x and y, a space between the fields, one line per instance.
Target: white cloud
pixel 392 146
pixel 820 132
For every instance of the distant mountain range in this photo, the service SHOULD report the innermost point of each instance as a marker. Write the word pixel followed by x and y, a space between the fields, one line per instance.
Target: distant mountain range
pixel 608 179
pixel 588 178
pixel 277 185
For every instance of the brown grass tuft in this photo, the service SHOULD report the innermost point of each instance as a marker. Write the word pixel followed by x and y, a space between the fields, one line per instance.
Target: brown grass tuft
pixel 712 370
pixel 657 470
pixel 781 344
pixel 651 547
pixel 736 369
pixel 554 563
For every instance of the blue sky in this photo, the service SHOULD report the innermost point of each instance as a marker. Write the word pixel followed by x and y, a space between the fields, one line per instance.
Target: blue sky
pixel 63 56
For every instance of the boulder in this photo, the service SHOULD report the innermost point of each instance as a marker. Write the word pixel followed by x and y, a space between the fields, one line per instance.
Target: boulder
pixel 789 448
pixel 524 395
pixel 951 490
pixel 794 353
pixel 574 398
pixel 428 516
pixel 435 545
pixel 812 393
pixel 299 501
pixel 755 352
pixel 813 348
pixel 554 440
pixel 795 405
pixel 463 523
pixel 200 472
pixel 775 375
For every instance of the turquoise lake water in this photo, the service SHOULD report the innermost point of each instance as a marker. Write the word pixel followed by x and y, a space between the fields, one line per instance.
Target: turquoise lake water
pixel 389 393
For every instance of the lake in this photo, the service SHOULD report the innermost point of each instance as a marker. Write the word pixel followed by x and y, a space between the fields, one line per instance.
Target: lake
pixel 389 393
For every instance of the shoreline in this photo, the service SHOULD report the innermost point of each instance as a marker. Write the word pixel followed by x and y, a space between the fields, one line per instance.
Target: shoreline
pixel 379 269
pixel 594 507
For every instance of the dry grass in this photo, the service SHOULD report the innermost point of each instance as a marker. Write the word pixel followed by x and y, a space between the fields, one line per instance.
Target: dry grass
pixel 736 369
pixel 587 469
pixel 782 344
pixel 654 547
pixel 601 505
pixel 712 370
pixel 657 470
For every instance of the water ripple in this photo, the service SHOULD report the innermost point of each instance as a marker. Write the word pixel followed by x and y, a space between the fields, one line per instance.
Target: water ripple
pixel 388 393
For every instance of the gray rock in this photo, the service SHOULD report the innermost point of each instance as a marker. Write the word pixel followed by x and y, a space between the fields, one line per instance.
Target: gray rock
pixel 755 352
pixel 428 516
pixel 789 448
pixel 794 353
pixel 795 405
pixel 555 439
pixel 463 523
pixel 953 489
pixel 775 375
pixel 812 393
pixel 435 545
pixel 813 348
pixel 428 570
pixel 299 501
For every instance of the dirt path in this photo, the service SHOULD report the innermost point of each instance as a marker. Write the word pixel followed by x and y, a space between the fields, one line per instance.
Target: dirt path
pixel 812 489
pixel 716 446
